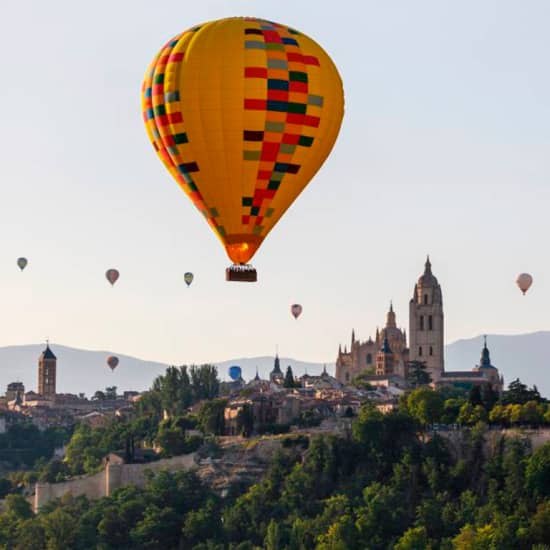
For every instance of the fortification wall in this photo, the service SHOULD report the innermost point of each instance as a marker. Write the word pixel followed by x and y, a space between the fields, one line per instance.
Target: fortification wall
pixel 112 477
pixel 92 486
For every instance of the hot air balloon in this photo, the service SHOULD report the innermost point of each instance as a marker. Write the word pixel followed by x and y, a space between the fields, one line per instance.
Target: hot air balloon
pixel 188 278
pixel 112 361
pixel 296 310
pixel 22 263
pixel 524 282
pixel 242 112
pixel 112 276
pixel 235 372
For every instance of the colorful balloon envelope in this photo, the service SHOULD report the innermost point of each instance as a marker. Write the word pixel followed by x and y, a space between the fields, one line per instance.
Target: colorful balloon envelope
pixel 524 282
pixel 112 276
pixel 243 112
pixel 112 361
pixel 188 278
pixel 22 263
pixel 296 310
pixel 235 372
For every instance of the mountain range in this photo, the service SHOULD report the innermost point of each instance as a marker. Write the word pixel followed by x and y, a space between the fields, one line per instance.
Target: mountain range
pixel 524 356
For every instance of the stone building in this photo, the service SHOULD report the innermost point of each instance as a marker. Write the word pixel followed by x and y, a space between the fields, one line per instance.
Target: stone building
pixel 14 389
pixel 386 357
pixel 370 355
pixel 484 373
pixel 47 365
pixel 276 375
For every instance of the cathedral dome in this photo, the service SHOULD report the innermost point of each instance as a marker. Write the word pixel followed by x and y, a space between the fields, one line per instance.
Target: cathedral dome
pixel 427 278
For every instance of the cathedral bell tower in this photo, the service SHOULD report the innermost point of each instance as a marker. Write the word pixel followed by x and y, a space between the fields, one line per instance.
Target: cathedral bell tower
pixel 426 330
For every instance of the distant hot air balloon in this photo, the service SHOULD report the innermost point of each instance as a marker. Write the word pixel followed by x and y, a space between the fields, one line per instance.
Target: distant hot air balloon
pixel 188 278
pixel 112 276
pixel 524 281
pixel 112 361
pixel 242 112
pixel 296 310
pixel 235 372
pixel 22 263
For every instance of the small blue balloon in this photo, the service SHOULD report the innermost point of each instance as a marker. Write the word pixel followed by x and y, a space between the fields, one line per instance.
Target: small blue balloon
pixel 235 372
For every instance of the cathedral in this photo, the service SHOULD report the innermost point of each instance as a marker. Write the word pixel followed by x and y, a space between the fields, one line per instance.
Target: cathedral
pixel 387 355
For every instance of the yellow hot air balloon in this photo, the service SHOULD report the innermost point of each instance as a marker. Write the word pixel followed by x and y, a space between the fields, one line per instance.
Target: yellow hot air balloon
pixel 243 112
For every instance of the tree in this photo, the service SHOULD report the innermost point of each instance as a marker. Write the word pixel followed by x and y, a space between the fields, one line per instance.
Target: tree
pixel 98 396
pixel 539 529
pixel 245 420
pixel 518 393
pixel 417 375
pixel 211 417
pixel 470 415
pixel 289 381
pixel 414 538
pixel 472 538
pixel 425 405
pixel 60 529
pixel 171 439
pixel 273 537
pixel 537 473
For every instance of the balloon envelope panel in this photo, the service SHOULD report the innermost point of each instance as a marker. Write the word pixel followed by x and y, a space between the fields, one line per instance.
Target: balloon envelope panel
pixel 242 112
pixel 235 372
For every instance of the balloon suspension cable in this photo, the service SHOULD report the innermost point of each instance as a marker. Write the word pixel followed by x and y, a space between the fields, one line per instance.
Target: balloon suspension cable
pixel 243 273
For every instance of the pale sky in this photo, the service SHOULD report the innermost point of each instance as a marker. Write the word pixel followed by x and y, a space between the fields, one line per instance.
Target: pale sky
pixel 444 149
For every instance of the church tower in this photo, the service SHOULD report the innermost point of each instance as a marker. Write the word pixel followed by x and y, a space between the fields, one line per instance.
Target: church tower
pixel 47 365
pixel 426 323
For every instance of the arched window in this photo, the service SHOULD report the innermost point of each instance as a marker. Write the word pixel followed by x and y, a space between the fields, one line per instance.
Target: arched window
pixel 430 323
pixel 431 350
pixel 420 351
pixel 347 376
pixel 422 322
pixel 425 299
pixel 369 359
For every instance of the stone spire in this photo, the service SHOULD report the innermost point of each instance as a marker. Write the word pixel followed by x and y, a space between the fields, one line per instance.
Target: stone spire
pixel 257 377
pixel 390 318
pixel 485 359
pixel 352 337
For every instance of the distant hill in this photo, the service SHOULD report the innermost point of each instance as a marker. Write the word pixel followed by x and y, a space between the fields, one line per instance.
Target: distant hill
pixel 524 356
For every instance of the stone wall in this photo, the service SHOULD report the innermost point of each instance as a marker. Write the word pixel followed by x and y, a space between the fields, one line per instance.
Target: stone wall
pixel 112 477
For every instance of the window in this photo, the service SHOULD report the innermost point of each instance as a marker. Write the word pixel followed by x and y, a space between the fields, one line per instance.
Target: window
pixel 430 323
pixel 347 376
pixel 369 359
pixel 431 350
pixel 425 299
pixel 422 322
pixel 420 351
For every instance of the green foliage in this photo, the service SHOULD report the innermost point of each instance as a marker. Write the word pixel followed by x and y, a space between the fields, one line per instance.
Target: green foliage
pixel 519 393
pixel 245 420
pixel 417 374
pixel 425 405
pixel 385 485
pixel 211 417
pixel 23 444
pixel 289 381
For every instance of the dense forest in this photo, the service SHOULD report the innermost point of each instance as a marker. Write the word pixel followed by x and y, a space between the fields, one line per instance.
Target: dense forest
pixel 385 486
pixel 394 481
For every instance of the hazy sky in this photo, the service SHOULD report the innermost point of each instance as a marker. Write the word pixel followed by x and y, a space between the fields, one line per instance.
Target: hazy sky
pixel 445 149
